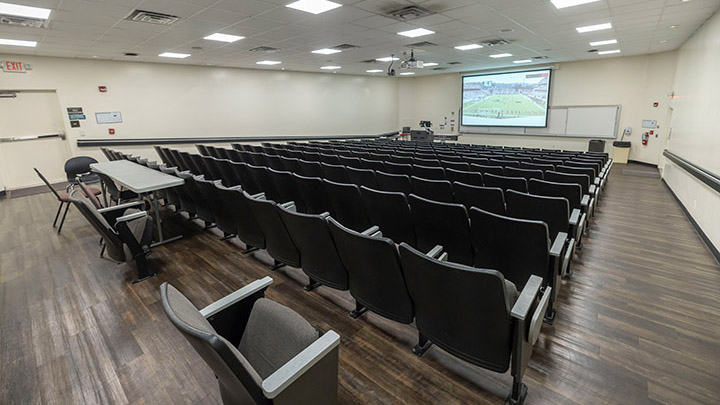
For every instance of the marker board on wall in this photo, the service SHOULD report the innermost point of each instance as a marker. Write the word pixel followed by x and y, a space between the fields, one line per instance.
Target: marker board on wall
pixel 597 121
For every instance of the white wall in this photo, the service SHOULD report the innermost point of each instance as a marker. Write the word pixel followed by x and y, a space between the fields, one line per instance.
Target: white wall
pixel 160 100
pixel 633 82
pixel 694 136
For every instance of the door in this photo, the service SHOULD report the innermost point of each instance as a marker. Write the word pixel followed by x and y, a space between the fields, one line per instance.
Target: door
pixel 31 113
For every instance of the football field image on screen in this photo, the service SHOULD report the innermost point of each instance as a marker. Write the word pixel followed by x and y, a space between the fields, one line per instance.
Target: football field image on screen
pixel 517 99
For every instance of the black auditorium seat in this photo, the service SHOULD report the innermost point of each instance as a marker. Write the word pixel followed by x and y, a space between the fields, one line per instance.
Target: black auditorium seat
pixel 486 169
pixel 319 258
pixel 436 223
pixel 475 314
pixel 506 183
pixel 221 217
pixel 287 188
pixel 467 177
pixel 309 169
pixel 428 172
pixel 373 266
pixel 397 168
pixel 335 173
pixel 347 205
pixel 372 164
pixel 436 190
pixel 391 212
pixel 229 176
pixel 486 198
pixel 393 182
pixel 504 163
pixel 313 194
pixel 582 179
pixel 246 226
pixel 536 166
pixel 527 174
pixel 277 240
pixel 362 177
pixel 260 176
pixel 572 193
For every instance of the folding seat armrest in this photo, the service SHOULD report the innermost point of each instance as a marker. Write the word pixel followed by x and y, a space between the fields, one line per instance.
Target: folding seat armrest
pixel 557 246
pixel 325 214
pixel 294 369
pixel 575 217
pixel 233 298
pixel 596 181
pixel 258 196
pixel 524 303
pixel 435 252
pixel 120 207
pixel 585 201
pixel 290 206
pixel 131 217
pixel 372 231
pixel 235 188
pixel 592 189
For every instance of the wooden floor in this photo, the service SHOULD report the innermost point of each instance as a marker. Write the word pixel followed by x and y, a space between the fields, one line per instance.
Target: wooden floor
pixel 638 323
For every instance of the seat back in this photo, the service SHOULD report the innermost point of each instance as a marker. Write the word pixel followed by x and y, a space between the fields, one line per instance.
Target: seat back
pixel 397 168
pixel 506 183
pixel 391 212
pixel 260 176
pixel 527 174
pixel 372 164
pixel 571 192
pixel 582 179
pixel 212 172
pixel 467 177
pixel 374 273
pixel 436 190
pixel 111 238
pixel 335 173
pixel 347 205
pixel 362 177
pixel 314 196
pixel 587 171
pixel 393 182
pixel 518 248
pixel 246 227
pixel 486 169
pixel 211 210
pixel 554 211
pixel 228 174
pixel 486 198
pixel 436 223
pixel 536 166
pixel 319 258
pixel 459 308
pixel 427 172
pixel 310 169
pixel 287 188
pixel 277 240
pixel 79 166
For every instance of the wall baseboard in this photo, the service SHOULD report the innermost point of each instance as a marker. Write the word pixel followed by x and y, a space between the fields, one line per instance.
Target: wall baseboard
pixel 643 163
pixel 33 190
pixel 713 249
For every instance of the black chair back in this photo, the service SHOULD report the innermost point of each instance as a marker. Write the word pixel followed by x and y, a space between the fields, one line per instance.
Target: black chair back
pixel 506 183
pixel 436 223
pixel 393 182
pixel 348 206
pixel 486 198
pixel 391 212
pixel 436 190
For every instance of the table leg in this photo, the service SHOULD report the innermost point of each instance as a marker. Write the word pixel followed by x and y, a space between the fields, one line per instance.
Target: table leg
pixel 158 220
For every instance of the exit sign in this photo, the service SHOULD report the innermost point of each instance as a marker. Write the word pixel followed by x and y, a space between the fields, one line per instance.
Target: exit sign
pixel 15 67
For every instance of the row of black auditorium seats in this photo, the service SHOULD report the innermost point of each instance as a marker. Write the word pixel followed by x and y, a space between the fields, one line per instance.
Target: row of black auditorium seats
pixel 421 222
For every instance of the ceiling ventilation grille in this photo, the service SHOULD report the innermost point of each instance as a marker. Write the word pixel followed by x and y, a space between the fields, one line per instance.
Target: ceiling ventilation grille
pixel 410 13
pixel 439 68
pixel 423 44
pixel 539 57
pixel 494 42
pixel 264 49
pixel 369 61
pixel 151 17
pixel 345 47
pixel 454 63
pixel 21 21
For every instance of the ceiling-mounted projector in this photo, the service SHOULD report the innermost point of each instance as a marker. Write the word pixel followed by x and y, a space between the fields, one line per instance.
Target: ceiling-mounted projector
pixel 411 63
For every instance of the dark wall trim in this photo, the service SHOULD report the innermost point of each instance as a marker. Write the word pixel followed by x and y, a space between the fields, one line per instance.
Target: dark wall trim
pixel 643 163
pixel 706 176
pixel 204 140
pixel 699 230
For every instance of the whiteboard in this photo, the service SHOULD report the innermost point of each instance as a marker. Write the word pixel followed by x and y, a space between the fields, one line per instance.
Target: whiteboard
pixel 566 121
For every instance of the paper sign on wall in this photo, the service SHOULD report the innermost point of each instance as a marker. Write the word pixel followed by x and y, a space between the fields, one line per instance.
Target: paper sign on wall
pixel 108 117
pixel 75 113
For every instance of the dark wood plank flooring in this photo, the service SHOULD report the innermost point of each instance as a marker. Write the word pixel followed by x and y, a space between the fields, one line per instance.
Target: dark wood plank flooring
pixel 638 323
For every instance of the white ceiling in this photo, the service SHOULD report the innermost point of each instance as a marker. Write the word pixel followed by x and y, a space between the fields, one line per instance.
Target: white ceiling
pixel 98 29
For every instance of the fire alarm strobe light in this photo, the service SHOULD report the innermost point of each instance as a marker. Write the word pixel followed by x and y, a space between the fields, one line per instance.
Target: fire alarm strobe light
pixel 111 131
pixel 103 89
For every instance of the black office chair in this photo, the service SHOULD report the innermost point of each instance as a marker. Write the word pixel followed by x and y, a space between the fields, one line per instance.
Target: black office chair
pixel 506 183
pixel 486 198
pixel 347 205
pixel 129 237
pixel 373 266
pixel 277 240
pixel 261 352
pixel 394 182
pixel 319 258
pixel 484 322
pixel 436 190
pixel 436 223
pixel 391 212
pixel 63 198
pixel 78 167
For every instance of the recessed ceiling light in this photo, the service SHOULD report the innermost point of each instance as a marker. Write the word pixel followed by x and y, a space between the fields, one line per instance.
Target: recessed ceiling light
pixel 326 51
pixel 673 26
pixel 600 43
pixel 268 62
pixel 501 55
pixel 430 64
pixel 596 27
pixel 570 3
pixel 608 52
pixel 662 41
pixel 314 6
pixel 330 67
pixel 417 32
pixel 223 37
pixel 24 11
pixel 468 47
pixel 387 59
pixel 174 55
pixel 17 42
pixel 374 71
pixel 523 61
pixel 407 73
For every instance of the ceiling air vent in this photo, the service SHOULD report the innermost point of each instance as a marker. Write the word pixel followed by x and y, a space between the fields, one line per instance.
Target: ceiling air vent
pixel 539 57
pixel 345 47
pixel 494 42
pixel 264 49
pixel 423 44
pixel 454 63
pixel 151 17
pixel 21 21
pixel 369 61
pixel 410 13
pixel 439 68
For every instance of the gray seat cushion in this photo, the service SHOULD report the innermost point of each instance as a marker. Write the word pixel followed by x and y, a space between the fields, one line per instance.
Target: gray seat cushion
pixel 273 336
pixel 511 294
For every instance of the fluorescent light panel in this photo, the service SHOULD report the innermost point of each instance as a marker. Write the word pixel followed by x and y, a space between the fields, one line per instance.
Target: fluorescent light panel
pixel 430 64
pixel 314 6
pixel 24 11
pixel 387 59
pixel 223 37
pixel 326 51
pixel 596 27
pixel 417 32
pixel 17 42
pixel 601 43
pixel 501 55
pixel 268 62
pixel 468 47
pixel 608 52
pixel 570 3
pixel 174 55
pixel 330 67
pixel 407 73
pixel 374 71
pixel 523 61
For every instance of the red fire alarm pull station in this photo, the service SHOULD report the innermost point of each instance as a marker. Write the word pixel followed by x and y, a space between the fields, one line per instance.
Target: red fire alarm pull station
pixel 103 89
pixel 655 104
pixel 111 131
